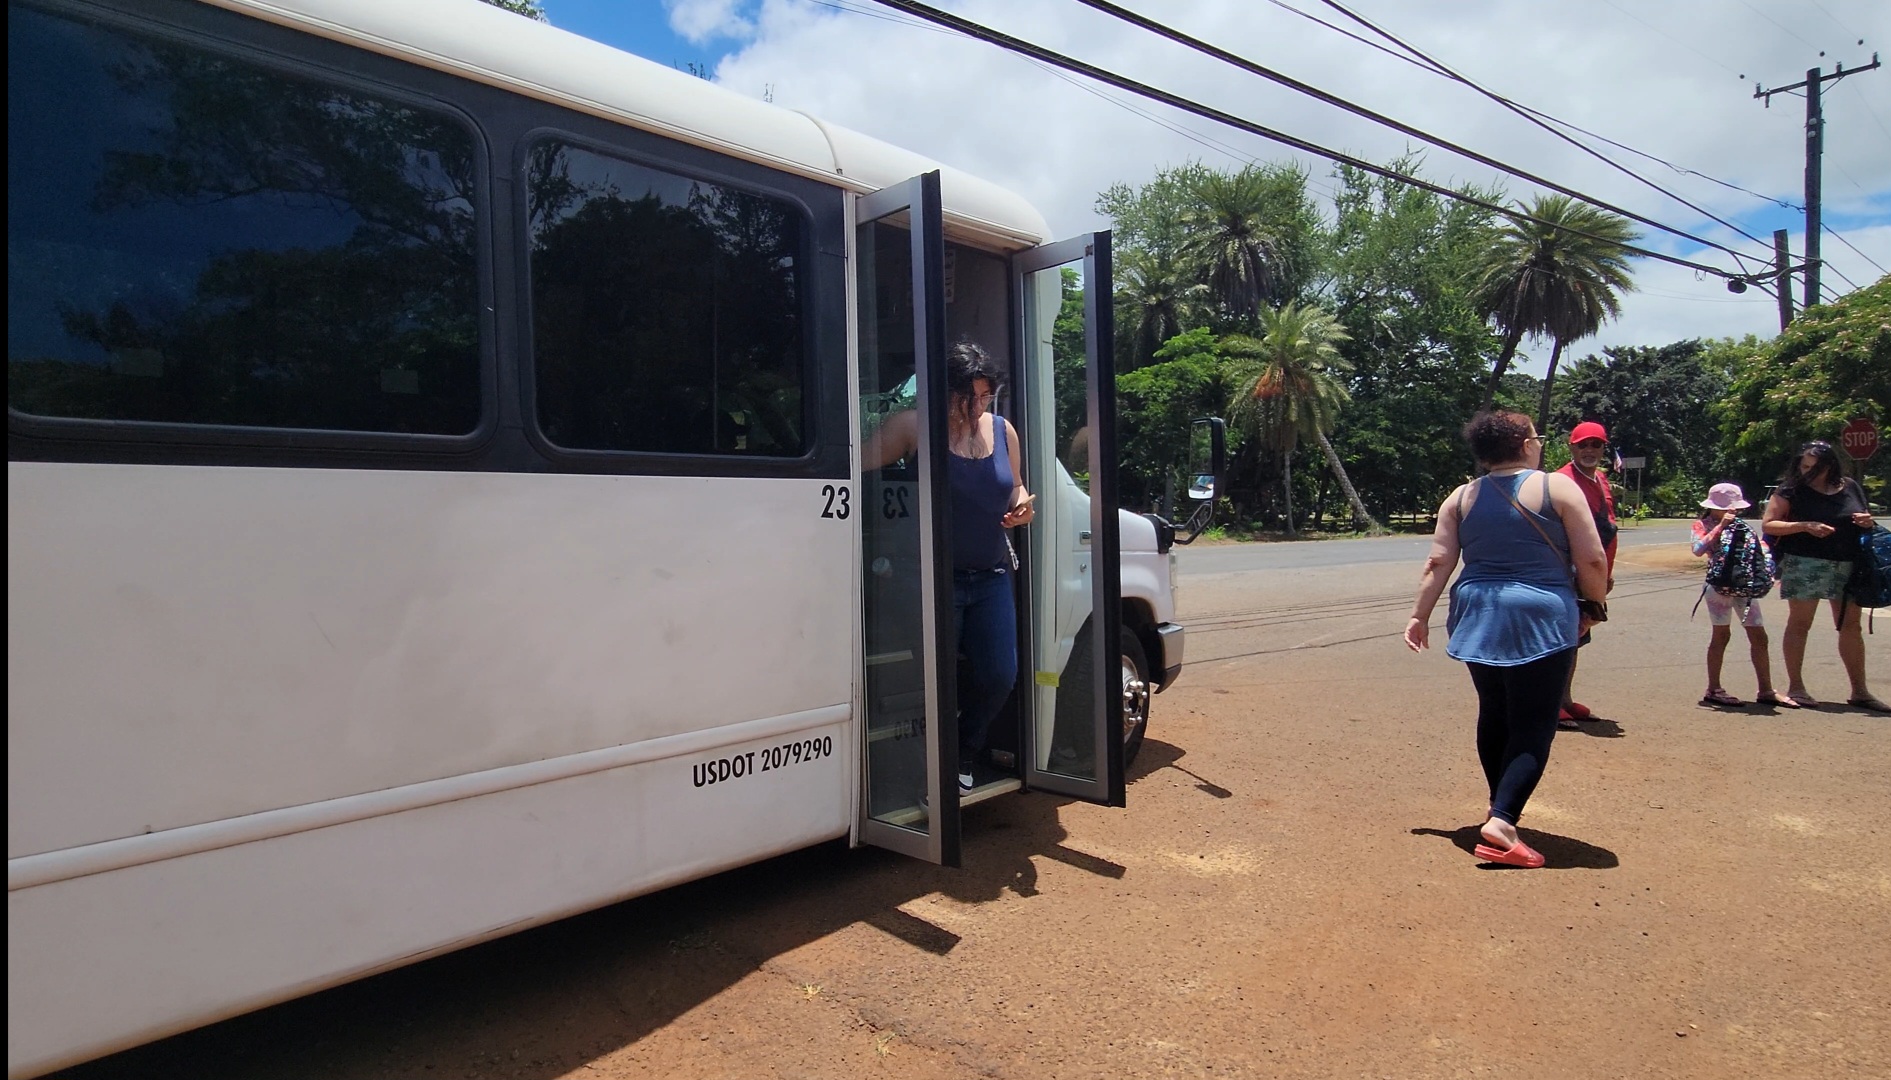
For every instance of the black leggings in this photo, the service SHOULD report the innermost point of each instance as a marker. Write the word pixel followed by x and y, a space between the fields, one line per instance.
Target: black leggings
pixel 1516 720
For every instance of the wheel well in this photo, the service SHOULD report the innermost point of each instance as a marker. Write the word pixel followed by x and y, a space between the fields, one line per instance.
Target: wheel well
pixel 1139 618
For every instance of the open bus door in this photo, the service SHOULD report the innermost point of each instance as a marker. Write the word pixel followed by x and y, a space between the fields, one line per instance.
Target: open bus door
pixel 1074 673
pixel 1070 694
pixel 910 793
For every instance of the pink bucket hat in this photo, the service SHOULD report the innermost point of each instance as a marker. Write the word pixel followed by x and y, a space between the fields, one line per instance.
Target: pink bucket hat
pixel 1725 497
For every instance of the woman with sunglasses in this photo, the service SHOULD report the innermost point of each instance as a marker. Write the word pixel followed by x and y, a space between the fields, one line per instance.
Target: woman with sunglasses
pixel 985 473
pixel 1819 516
pixel 1534 581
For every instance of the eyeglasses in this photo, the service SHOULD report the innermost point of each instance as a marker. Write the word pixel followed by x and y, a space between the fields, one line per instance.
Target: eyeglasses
pixel 1536 438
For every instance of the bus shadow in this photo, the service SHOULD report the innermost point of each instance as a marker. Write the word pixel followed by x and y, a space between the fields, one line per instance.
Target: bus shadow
pixel 548 1001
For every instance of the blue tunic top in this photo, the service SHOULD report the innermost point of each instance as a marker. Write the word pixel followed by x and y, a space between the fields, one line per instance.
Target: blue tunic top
pixel 981 493
pixel 1514 602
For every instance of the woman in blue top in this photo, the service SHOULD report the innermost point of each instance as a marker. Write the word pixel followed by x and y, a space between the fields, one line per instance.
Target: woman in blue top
pixel 986 477
pixel 1534 575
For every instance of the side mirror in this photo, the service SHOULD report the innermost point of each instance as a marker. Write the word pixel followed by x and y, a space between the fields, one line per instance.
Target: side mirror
pixel 1207 461
pixel 1207 457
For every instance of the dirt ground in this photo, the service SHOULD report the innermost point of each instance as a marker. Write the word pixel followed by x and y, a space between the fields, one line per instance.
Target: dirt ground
pixel 1289 894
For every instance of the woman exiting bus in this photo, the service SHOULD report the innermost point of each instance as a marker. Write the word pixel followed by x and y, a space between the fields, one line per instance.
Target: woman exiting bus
pixel 986 478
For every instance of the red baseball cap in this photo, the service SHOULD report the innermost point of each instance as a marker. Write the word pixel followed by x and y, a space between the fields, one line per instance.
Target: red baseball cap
pixel 1588 429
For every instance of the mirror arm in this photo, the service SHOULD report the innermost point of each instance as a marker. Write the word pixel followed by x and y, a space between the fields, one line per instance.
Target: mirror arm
pixel 1196 524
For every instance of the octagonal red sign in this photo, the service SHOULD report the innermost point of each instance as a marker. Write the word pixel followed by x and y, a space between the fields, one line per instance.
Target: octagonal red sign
pixel 1859 439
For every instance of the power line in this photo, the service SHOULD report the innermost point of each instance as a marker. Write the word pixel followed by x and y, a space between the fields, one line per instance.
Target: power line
pixel 1176 101
pixel 1784 204
pixel 1840 237
pixel 1434 69
pixel 1874 113
pixel 1143 22
pixel 1208 142
pixel 1848 30
pixel 1689 46
pixel 1605 159
pixel 1781 25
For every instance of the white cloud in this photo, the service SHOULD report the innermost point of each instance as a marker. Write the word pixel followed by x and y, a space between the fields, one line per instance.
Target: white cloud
pixel 702 21
pixel 1675 80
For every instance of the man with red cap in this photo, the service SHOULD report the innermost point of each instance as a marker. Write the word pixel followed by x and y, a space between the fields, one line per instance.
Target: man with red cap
pixel 1588 447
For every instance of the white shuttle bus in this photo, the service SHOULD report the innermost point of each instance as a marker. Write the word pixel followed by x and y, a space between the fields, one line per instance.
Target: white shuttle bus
pixel 434 501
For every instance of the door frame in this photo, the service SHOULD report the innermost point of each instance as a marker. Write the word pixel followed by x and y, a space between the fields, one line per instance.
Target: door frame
pixel 1109 786
pixel 939 842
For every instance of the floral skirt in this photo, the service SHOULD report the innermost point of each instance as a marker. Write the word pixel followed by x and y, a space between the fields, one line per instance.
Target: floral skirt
pixel 1802 577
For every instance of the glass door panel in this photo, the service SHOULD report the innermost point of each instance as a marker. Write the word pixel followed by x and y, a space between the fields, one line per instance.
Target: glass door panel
pixel 911 794
pixel 1075 733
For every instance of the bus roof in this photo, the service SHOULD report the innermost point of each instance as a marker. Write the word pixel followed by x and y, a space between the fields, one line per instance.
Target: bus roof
pixel 478 41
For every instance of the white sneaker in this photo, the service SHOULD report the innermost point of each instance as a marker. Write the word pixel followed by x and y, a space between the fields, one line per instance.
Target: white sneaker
pixel 966 780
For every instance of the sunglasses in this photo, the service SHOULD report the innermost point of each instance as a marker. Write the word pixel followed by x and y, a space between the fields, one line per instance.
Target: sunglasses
pixel 1592 444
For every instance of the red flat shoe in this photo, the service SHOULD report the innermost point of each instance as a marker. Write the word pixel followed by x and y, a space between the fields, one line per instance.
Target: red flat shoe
pixel 1519 854
pixel 1578 710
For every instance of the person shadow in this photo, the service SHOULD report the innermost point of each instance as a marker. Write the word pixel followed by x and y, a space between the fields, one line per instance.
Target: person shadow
pixel 1597 728
pixel 1559 852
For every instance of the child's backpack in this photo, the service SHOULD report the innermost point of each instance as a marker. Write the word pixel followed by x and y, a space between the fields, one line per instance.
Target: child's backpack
pixel 1740 564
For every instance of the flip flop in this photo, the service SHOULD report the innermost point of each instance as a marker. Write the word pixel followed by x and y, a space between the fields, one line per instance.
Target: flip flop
pixel 1869 704
pixel 1777 700
pixel 1518 854
pixel 1721 699
pixel 1566 721
pixel 1577 710
pixel 1804 701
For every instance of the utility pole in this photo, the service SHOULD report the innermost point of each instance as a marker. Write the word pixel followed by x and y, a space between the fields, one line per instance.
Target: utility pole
pixel 1815 147
pixel 1782 279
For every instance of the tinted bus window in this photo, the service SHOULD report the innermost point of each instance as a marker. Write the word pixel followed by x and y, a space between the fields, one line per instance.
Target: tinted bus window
pixel 195 239
pixel 666 311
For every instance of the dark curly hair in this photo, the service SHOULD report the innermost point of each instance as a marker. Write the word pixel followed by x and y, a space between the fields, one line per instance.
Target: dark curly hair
pixel 1497 436
pixel 966 363
pixel 1826 466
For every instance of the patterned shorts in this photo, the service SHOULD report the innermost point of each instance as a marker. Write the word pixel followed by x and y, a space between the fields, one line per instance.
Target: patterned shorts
pixel 1804 578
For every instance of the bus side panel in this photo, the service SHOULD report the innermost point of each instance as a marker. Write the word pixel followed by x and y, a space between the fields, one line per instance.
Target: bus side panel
pixel 198 643
pixel 171 945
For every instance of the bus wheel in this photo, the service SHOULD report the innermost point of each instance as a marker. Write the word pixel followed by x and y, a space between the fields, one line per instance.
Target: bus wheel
pixel 1135 695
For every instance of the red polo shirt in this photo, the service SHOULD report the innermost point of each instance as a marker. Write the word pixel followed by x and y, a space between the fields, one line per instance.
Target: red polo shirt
pixel 1601 502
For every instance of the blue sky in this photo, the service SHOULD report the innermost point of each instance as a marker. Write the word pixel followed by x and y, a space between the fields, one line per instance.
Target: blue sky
pixel 638 26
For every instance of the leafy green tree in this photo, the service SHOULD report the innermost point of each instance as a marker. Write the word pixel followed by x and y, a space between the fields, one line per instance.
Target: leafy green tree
pixel 1156 406
pixel 1652 399
pixel 1251 233
pixel 1830 366
pixel 1152 218
pixel 1399 265
pixel 531 9
pixel 1288 388
pixel 1555 273
pixel 1156 299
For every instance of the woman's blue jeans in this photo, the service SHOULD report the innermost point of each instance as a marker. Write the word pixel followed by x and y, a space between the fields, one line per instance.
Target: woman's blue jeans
pixel 985 622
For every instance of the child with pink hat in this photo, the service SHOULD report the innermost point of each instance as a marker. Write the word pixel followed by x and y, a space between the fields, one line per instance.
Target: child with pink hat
pixel 1738 563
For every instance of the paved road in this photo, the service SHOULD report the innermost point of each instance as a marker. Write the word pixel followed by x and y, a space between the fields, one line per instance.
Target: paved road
pixel 1236 558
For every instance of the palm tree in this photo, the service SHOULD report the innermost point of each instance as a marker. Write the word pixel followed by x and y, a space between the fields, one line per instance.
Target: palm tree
pixel 1288 389
pixel 1229 235
pixel 1157 299
pixel 1556 275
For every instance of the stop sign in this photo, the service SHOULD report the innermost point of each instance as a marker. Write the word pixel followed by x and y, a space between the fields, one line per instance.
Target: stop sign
pixel 1859 439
